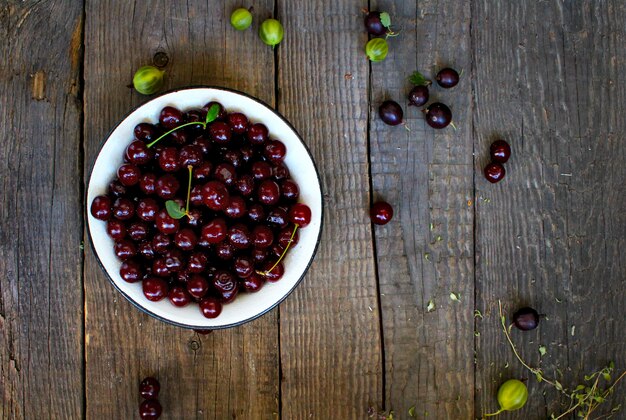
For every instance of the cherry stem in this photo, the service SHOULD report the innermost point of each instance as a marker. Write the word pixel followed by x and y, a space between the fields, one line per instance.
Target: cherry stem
pixel 174 129
pixel 267 272
pixel 494 414
pixel 188 190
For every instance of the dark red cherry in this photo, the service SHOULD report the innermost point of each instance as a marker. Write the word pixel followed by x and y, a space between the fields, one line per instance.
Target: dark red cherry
pixel 225 173
pixel 447 78
pixel 197 286
pixel 203 171
pixel 167 186
pixel 239 236
pixel 256 213
pixel 261 170
pixel 210 307
pixel 146 250
pixel 262 236
pixel 185 239
pixel 138 153
pixel 161 242
pixel 165 223
pixel 258 133
pixel 418 96
pixel 300 214
pixel 138 231
pixel 101 207
pixel 131 271
pixel 268 192
pixel 179 137
pixel 170 117
pixel 253 283
pixel 258 255
pixel 147 183
pixel 116 229
pixel 494 172
pixel 234 157
pixel 174 260
pixel 116 189
pixel 287 236
pixel 169 159
pixel 226 285
pixel 438 115
pixel 381 213
pixel 195 219
pixel 500 151
pixel 275 150
pixel 245 185
pixel 215 231
pixel 280 171
pixel 526 319
pixel 159 268
pixel 391 113
pixel 149 388
pixel 225 251
pixel 244 266
pixel 195 198
pixel 277 217
pixel 276 273
pixel 190 155
pixel 123 209
pixel 289 190
pixel 204 144
pixel 197 262
pixel 220 132
pixel 145 132
pixel 125 249
pixel 154 288
pixel 147 208
pixel 179 296
pixel 236 207
pixel 215 195
pixel 150 409
pixel 238 122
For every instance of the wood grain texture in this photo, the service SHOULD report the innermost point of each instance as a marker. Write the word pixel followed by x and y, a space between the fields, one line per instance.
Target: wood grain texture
pixel 41 337
pixel 549 79
pixel 329 328
pixel 227 374
pixel 426 252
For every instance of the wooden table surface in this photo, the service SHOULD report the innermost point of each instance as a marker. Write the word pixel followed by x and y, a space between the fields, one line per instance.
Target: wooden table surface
pixel 547 76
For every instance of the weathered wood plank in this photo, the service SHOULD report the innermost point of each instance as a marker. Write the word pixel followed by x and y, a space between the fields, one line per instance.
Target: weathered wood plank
pixel 227 374
pixel 41 337
pixel 426 252
pixel 330 338
pixel 549 78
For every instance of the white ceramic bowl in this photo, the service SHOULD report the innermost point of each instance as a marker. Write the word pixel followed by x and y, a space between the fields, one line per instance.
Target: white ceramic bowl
pixel 247 306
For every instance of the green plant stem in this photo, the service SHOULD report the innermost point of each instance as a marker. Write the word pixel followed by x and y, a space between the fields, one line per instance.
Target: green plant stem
pixel 174 129
pixel 508 337
pixel 608 391
pixel 494 414
pixel 188 190
pixel 266 272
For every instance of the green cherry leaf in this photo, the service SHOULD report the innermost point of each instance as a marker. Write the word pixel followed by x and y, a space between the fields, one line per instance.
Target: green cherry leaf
pixel 418 79
pixel 174 210
pixel 385 19
pixel 211 115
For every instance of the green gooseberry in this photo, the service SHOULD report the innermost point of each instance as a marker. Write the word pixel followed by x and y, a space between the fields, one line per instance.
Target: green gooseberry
pixel 512 395
pixel 271 32
pixel 376 49
pixel 148 80
pixel 241 19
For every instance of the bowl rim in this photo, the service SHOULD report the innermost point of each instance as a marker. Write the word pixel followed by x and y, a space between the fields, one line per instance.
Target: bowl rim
pixel 145 309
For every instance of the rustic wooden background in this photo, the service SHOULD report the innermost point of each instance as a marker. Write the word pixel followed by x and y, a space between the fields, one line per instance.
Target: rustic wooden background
pixel 548 76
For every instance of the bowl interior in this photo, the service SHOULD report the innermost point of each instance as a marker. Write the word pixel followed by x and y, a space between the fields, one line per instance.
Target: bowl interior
pixel 298 159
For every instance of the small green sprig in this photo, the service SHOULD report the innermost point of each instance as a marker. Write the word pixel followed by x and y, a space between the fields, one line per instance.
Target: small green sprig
pixel 211 115
pixel 585 398
pixel 172 207
pixel 418 79
pixel 267 272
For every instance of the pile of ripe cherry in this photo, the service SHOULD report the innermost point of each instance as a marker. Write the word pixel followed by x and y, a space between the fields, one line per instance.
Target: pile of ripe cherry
pixel 203 207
